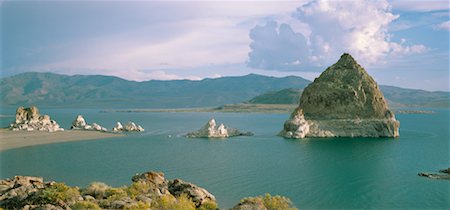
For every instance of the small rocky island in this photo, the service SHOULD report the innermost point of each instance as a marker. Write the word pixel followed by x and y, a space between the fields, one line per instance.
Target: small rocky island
pixel 149 190
pixel 344 101
pixel 129 127
pixel 80 124
pixel 29 119
pixel 210 130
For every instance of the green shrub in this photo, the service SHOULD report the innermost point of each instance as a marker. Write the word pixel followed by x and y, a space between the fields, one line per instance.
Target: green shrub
pixel 83 205
pixel 208 205
pixel 139 206
pixel 271 202
pixel 60 192
pixel 138 188
pixel 277 202
pixel 96 190
pixel 114 194
pixel 172 203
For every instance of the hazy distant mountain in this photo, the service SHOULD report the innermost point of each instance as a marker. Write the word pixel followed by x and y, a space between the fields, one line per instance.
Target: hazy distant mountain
pixel 94 91
pixel 284 96
pixel 55 90
pixel 415 98
pixel 396 97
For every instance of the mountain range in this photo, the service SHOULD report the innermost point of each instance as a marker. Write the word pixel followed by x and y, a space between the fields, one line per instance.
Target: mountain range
pixel 93 91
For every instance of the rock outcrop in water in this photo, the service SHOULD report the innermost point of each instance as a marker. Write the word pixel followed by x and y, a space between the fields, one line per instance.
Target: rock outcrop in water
pixel 29 119
pixel 344 101
pixel 443 174
pixel 210 130
pixel 80 124
pixel 129 127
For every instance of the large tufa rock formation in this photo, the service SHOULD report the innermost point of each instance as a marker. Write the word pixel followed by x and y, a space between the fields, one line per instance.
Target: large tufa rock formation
pixel 344 101
pixel 80 124
pixel 29 119
pixel 210 130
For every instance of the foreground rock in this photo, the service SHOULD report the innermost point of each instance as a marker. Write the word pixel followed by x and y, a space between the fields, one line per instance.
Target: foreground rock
pixel 443 174
pixel 149 190
pixel 29 119
pixel 80 124
pixel 129 127
pixel 210 130
pixel 344 101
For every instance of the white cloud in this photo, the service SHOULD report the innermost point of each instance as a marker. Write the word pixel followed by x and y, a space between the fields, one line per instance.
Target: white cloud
pixel 141 75
pixel 442 26
pixel 420 5
pixel 357 27
pixel 200 34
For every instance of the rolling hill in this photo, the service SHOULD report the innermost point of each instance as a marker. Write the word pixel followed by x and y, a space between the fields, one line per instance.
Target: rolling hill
pixel 92 91
pixel 396 97
pixel 109 92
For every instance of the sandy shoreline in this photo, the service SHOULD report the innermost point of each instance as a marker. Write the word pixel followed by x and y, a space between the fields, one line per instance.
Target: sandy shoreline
pixel 15 139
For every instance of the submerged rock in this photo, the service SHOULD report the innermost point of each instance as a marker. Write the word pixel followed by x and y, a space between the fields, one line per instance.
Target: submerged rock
pixel 210 130
pixel 344 101
pixel 29 119
pixel 443 174
pixel 80 124
pixel 129 127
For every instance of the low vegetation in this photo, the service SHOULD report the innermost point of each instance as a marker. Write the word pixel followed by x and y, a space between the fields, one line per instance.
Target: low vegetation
pixel 269 202
pixel 59 192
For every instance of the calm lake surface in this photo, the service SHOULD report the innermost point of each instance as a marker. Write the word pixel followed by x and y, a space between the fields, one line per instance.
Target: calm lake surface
pixel 315 173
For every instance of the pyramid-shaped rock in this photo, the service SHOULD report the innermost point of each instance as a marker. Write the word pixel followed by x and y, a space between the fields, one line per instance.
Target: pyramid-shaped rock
pixel 344 101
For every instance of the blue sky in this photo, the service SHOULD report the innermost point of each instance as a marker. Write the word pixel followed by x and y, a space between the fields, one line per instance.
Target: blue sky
pixel 401 43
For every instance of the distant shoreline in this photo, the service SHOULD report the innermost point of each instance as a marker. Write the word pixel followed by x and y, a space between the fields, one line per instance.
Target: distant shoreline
pixel 253 108
pixel 17 139
pixel 228 108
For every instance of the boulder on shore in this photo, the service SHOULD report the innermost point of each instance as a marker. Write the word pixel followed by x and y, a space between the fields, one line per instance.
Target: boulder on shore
pixel 80 124
pixel 29 119
pixel 344 101
pixel 210 130
pixel 129 127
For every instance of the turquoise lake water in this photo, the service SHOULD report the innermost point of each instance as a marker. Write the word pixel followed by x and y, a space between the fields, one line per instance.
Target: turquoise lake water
pixel 349 173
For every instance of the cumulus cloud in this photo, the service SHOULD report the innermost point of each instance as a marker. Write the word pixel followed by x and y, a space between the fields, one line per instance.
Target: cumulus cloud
pixel 442 26
pixel 276 47
pixel 357 27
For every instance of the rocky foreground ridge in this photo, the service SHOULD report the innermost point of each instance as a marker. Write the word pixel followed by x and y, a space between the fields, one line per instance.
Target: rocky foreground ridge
pixel 149 190
pixel 211 130
pixel 344 101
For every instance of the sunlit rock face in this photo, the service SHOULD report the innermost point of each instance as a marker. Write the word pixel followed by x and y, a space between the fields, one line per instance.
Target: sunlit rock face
pixel 29 119
pixel 344 101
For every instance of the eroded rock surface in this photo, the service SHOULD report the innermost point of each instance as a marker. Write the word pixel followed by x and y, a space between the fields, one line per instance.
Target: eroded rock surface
pixel 29 119
pixel 344 101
